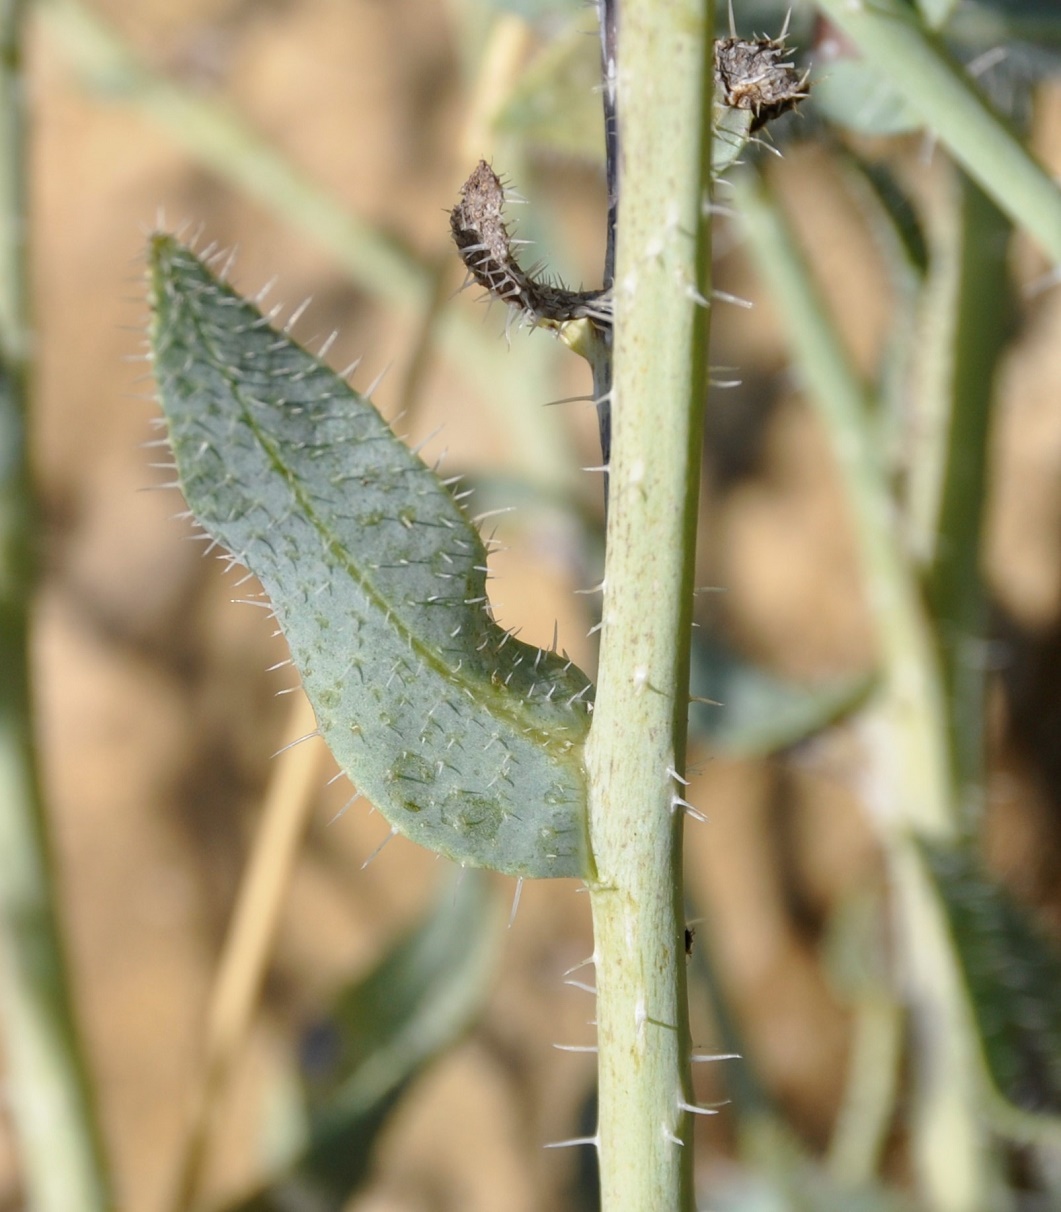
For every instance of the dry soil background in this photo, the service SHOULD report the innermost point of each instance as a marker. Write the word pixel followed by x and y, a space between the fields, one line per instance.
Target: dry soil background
pixel 158 720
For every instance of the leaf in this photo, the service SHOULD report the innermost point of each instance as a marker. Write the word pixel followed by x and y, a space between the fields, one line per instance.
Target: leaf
pixel 1013 975
pixel 555 104
pixel 424 993
pixel 758 713
pixel 854 96
pixel 467 740
pixel 777 1173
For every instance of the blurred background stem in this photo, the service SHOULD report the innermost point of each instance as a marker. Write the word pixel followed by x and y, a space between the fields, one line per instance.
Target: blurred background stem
pixel 50 1100
pixel 916 63
pixel 263 893
pixel 909 790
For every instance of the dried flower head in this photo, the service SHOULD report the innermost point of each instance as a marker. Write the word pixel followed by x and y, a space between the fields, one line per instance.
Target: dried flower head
pixel 752 75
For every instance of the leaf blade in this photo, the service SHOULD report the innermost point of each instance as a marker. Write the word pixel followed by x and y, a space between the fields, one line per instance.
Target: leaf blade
pixel 467 740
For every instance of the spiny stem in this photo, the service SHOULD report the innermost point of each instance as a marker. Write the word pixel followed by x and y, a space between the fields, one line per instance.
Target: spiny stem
pixel 636 749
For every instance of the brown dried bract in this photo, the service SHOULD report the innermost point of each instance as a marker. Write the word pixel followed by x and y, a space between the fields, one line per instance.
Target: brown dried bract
pixel 485 246
pixel 480 233
pixel 752 75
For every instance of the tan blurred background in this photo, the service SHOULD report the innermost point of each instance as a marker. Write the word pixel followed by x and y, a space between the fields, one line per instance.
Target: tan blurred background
pixel 157 716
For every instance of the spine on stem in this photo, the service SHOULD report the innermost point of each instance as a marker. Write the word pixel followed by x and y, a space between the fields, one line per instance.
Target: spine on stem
pixel 636 748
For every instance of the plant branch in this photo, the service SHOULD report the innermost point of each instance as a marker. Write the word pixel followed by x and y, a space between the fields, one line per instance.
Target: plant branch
pixel 916 64
pixel 47 1087
pixel 636 750
pixel 910 789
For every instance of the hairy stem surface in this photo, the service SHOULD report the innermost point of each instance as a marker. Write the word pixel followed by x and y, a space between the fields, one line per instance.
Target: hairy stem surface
pixel 636 749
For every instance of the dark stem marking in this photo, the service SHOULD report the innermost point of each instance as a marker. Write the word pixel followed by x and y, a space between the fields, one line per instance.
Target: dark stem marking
pixel 602 372
pixel 749 75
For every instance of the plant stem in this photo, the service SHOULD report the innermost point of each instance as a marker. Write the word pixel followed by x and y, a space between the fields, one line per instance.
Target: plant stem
pixel 48 1091
pixel 602 364
pixel 915 63
pixel 983 308
pixel 249 942
pixel 911 794
pixel 636 749
pixel 907 657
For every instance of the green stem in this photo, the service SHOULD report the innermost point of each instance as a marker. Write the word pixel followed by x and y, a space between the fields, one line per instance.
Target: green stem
pixel 911 792
pixel 907 657
pixel 982 311
pixel 865 1115
pixel 636 749
pixel 916 64
pixel 49 1095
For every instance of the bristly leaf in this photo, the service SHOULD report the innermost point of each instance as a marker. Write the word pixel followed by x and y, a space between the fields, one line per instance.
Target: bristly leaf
pixel 467 740
pixel 1013 975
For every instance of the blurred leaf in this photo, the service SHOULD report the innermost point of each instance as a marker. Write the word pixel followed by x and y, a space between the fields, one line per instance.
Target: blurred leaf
pixel 895 44
pixel 850 93
pixel 892 218
pixel 936 12
pixel 989 23
pixel 415 1001
pixel 1013 976
pixel 779 1175
pixel 759 713
pixel 896 228
pixel 425 992
pixel 555 105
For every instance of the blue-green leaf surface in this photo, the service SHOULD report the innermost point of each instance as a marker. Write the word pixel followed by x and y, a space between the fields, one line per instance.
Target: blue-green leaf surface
pixel 467 740
pixel 751 712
